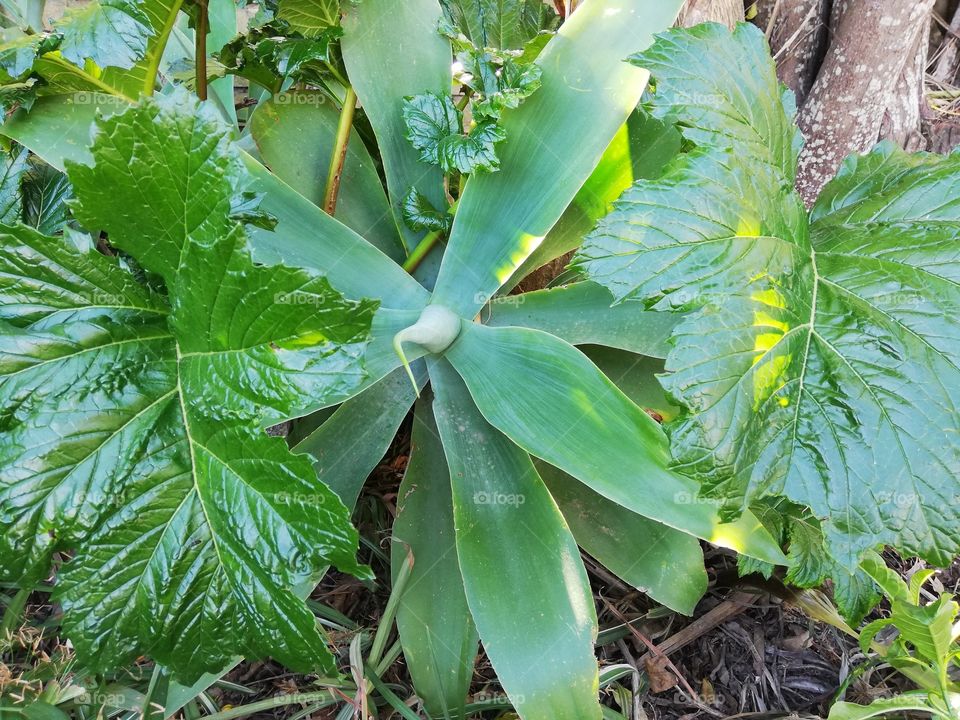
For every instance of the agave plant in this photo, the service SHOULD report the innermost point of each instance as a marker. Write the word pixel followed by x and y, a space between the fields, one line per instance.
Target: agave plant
pixel 525 448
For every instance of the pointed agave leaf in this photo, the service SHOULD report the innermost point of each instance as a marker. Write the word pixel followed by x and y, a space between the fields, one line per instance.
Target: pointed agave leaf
pixel 131 420
pixel 823 362
pixel 436 629
pixel 558 135
pixel 641 148
pixel 593 431
pixel 383 70
pixel 662 562
pixel 581 313
pixel 513 546
pixel 350 443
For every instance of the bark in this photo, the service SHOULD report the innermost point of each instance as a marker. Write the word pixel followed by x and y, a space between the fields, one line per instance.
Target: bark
pixel 948 62
pixel 860 88
pixel 798 31
pixel 694 12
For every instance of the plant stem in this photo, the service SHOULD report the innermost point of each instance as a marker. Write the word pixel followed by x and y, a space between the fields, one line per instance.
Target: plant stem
pixel 422 249
pixel 339 155
pixel 328 697
pixel 390 612
pixel 200 56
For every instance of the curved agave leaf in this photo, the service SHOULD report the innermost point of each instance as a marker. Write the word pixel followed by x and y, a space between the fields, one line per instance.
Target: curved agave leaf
pixel 130 419
pixel 581 313
pixel 823 362
pixel 436 629
pixel 593 431
pixel 662 562
pixel 510 534
pixel 558 136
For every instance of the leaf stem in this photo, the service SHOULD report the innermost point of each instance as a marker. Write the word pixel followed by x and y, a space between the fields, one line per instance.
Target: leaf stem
pixel 422 249
pixel 390 612
pixel 339 154
pixel 155 53
pixel 200 55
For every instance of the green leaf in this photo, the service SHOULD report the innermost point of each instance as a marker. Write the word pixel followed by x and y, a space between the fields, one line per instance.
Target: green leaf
pixel 502 24
pixel 350 443
pixel 295 134
pixel 310 18
pixel 665 564
pixel 58 129
pixel 436 629
pixel 13 165
pixel 17 54
pixel 556 136
pixel 514 547
pixel 420 214
pixel 46 191
pixel 928 628
pixel 813 346
pixel 641 148
pixel 114 436
pixel 434 128
pixel 898 705
pixel 111 33
pixel 592 431
pixel 499 81
pixel 383 70
pixel 581 313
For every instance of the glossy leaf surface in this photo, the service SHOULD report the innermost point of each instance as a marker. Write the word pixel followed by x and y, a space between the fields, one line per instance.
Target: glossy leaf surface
pixel 823 361
pixel 131 419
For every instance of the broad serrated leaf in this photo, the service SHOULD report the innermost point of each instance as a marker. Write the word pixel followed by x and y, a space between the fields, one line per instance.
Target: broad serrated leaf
pixel 131 418
pixel 822 361
pixel 500 81
pixel 310 17
pixel 111 33
pixel 420 214
pixel 434 127
pixel 18 54
pixel 13 165
pixel 501 24
pixel 46 191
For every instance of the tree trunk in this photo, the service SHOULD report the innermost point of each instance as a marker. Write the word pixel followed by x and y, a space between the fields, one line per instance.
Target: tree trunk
pixel 871 76
pixel 798 32
pixel 694 12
